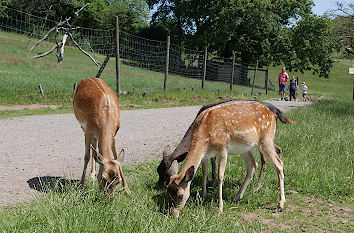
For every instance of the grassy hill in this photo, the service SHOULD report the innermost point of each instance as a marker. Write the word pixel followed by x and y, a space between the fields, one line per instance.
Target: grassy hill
pixel 20 77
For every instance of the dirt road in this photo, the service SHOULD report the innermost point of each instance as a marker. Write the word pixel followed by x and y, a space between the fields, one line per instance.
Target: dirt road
pixel 53 145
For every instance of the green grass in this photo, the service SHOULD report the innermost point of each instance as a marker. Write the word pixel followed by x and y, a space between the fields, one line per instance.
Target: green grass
pixel 20 77
pixel 318 157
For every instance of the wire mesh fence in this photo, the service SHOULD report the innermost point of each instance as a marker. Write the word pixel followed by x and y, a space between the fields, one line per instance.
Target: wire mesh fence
pixel 186 68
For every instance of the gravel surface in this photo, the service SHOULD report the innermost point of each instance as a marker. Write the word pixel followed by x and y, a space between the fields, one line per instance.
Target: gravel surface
pixel 53 145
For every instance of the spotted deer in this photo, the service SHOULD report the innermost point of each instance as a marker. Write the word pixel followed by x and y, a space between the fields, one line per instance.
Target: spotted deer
pixel 96 108
pixel 232 127
pixel 170 162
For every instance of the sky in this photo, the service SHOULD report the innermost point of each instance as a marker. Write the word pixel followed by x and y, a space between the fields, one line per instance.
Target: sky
pixel 323 5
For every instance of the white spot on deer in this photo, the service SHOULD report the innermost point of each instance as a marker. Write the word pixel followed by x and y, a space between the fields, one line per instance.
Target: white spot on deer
pixel 263 116
pixel 259 119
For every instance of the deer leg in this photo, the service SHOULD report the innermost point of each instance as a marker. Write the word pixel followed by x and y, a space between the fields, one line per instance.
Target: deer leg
pixel 268 150
pixel 114 148
pixel 205 177
pixel 87 157
pixel 251 168
pixel 222 165
pixel 93 163
pixel 124 182
pixel 213 169
pixel 261 173
pixel 263 166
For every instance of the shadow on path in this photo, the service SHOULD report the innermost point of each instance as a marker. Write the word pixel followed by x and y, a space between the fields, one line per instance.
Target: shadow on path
pixel 46 184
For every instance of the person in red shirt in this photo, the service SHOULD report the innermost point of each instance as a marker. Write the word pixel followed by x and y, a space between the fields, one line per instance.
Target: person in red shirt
pixel 283 79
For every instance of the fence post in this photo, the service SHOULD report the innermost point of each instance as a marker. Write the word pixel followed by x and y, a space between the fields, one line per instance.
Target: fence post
pixel 254 78
pixel 167 63
pixel 232 71
pixel 266 80
pixel 117 57
pixel 205 64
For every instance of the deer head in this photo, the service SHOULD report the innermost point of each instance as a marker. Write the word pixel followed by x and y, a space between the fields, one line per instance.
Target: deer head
pixel 110 171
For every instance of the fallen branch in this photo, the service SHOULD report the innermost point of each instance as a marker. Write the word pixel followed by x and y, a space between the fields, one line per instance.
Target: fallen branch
pixel 46 35
pixel 48 52
pixel 83 51
pixel 60 52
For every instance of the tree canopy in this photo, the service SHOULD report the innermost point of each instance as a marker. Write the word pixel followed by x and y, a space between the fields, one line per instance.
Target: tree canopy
pixel 270 31
pixel 133 14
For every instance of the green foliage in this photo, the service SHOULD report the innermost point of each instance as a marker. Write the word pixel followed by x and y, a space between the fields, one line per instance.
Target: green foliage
pixel 313 45
pixel 262 30
pixel 133 14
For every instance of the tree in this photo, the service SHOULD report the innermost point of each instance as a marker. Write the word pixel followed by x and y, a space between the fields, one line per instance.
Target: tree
pixel 133 14
pixel 260 30
pixel 343 19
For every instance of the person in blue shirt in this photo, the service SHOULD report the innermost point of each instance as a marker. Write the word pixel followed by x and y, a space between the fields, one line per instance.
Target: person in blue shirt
pixel 293 87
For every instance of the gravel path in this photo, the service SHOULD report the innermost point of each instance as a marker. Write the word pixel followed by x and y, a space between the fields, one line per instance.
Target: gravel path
pixel 53 145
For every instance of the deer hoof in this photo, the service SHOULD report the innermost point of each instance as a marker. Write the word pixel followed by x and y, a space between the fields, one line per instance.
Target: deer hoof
pixel 279 209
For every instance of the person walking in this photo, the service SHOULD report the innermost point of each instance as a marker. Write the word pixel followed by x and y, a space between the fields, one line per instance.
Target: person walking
pixel 283 79
pixel 293 87
pixel 304 90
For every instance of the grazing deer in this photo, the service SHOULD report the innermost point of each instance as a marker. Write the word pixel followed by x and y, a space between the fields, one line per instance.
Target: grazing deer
pixel 232 127
pixel 96 108
pixel 169 164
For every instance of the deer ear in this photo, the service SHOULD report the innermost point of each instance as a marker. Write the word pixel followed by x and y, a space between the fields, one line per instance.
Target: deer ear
pixel 167 151
pixel 121 156
pixel 182 157
pixel 189 175
pixel 97 155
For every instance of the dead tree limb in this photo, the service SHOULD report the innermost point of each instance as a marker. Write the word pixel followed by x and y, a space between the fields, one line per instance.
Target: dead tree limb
pixel 65 26
pixel 48 52
pixel 46 35
pixel 83 51
pixel 78 11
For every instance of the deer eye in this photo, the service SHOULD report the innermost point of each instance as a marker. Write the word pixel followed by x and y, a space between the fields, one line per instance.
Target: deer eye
pixel 180 196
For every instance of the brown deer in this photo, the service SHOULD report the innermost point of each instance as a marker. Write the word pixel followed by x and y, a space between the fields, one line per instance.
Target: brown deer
pixel 96 108
pixel 232 127
pixel 169 164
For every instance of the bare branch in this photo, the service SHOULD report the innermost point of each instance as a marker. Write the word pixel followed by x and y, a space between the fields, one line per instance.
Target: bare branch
pixel 60 52
pixel 83 51
pixel 46 53
pixel 46 35
pixel 78 11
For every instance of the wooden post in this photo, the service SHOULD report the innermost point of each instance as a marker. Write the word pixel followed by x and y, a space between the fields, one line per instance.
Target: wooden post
pixel 41 90
pixel 103 66
pixel 232 71
pixel 266 80
pixel 167 63
pixel 205 66
pixel 117 57
pixel 254 78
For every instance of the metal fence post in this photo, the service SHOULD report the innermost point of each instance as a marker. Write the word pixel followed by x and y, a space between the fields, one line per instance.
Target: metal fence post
pixel 117 57
pixel 232 71
pixel 254 78
pixel 167 63
pixel 205 64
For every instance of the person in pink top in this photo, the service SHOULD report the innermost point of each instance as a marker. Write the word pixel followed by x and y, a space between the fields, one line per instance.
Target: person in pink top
pixel 283 79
